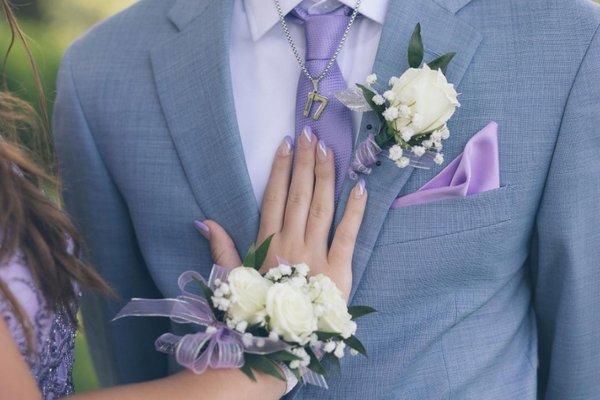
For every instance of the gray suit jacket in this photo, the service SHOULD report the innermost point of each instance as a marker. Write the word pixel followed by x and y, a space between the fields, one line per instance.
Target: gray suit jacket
pixel 492 296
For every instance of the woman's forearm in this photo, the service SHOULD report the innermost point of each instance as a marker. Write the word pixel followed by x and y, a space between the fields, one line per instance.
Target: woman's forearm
pixel 213 384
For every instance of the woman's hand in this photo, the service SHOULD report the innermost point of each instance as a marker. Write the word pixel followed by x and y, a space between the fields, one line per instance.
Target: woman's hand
pixel 298 209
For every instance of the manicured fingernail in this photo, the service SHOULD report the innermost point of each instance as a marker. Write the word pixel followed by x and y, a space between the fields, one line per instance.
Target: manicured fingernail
pixel 285 148
pixel 308 133
pixel 359 189
pixel 322 153
pixel 203 229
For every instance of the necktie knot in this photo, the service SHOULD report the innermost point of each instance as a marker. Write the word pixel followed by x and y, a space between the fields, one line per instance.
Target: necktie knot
pixel 324 32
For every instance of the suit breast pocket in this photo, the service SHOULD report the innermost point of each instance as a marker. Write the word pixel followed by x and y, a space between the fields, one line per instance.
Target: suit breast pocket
pixel 446 217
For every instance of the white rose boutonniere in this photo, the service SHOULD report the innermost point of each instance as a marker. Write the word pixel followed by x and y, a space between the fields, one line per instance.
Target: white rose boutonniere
pixel 413 110
pixel 426 99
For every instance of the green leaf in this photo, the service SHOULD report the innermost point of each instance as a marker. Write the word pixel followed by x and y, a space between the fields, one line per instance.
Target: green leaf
pixel 415 48
pixel 383 138
pixel 264 365
pixel 261 252
pixel 441 62
pixel 207 292
pixel 250 259
pixel 360 311
pixel 368 95
pixel 315 364
pixel 248 371
pixel 325 336
pixel 355 344
pixel 283 356
pixel 297 373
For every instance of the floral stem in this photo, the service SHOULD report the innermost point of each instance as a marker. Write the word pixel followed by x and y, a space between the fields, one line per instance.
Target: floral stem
pixel 383 139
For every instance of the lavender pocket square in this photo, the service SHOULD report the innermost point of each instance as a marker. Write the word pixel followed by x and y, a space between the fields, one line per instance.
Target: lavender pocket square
pixel 474 171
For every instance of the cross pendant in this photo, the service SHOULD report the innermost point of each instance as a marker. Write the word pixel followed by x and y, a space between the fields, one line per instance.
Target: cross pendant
pixel 313 97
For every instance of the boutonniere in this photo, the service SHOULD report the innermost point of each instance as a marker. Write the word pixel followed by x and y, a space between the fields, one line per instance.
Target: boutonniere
pixel 413 109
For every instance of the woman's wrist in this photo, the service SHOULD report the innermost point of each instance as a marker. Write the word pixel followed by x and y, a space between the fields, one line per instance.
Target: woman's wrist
pixel 229 384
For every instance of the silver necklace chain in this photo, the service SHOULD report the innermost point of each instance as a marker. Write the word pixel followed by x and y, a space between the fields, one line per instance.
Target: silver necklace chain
pixel 315 80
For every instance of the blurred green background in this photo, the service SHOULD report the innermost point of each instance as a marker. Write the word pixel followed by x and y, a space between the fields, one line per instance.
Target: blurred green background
pixel 51 26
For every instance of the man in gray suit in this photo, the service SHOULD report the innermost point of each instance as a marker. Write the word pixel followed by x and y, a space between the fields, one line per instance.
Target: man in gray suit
pixel 169 111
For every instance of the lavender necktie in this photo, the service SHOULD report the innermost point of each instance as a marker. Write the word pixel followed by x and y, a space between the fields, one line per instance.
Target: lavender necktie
pixel 323 35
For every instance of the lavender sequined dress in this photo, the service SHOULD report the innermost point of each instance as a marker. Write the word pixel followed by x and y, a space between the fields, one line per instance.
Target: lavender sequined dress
pixel 51 362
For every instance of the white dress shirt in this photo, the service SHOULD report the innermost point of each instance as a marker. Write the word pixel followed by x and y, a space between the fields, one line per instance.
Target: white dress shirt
pixel 265 73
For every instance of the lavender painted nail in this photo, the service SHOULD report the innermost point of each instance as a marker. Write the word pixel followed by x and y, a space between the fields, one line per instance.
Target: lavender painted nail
pixel 360 186
pixel 322 149
pixel 203 229
pixel 285 148
pixel 289 140
pixel 308 133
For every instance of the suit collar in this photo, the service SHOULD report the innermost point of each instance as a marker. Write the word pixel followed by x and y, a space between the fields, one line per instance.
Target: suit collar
pixel 453 6
pixel 262 16
pixel 185 11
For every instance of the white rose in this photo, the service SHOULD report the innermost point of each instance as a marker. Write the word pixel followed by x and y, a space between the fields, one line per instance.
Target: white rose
pixel 334 317
pixel 249 290
pixel 291 313
pixel 430 95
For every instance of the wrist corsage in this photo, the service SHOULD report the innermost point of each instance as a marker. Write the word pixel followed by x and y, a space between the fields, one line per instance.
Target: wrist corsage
pixel 258 322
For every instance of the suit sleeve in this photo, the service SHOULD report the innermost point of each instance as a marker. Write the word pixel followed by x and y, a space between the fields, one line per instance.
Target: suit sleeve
pixel 566 247
pixel 123 351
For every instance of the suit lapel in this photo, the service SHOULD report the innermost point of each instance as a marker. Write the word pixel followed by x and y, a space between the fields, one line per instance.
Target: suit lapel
pixel 442 32
pixel 193 79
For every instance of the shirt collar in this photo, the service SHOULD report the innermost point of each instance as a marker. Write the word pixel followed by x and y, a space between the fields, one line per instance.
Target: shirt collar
pixel 262 15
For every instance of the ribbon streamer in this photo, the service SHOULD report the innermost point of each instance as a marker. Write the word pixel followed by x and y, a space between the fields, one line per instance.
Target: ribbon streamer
pixel 364 157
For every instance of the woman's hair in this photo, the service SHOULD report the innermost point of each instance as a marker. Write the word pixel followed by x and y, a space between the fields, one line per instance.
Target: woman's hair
pixel 30 222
